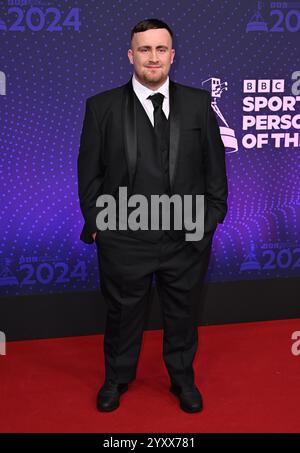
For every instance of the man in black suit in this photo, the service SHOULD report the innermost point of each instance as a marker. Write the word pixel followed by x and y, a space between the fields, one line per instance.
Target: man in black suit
pixel 152 136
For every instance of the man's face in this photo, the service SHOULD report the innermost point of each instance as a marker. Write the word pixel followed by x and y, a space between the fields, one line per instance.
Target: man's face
pixel 151 54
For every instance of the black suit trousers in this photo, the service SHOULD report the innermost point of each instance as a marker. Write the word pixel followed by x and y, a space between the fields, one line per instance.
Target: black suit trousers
pixel 126 266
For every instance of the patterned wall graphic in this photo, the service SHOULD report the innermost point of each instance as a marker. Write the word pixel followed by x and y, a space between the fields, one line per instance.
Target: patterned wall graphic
pixel 53 55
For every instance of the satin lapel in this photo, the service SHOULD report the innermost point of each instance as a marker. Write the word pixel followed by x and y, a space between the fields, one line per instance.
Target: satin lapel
pixel 174 119
pixel 129 131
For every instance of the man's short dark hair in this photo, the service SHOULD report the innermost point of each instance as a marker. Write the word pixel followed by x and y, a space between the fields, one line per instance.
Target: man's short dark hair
pixel 149 24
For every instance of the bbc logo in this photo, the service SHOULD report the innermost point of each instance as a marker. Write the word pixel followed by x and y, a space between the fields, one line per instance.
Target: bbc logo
pixel 264 86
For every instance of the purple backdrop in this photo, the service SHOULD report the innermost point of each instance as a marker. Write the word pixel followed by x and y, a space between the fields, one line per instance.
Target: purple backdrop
pixel 56 54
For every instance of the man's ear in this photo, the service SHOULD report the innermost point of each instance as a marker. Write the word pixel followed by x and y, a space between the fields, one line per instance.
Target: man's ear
pixel 173 55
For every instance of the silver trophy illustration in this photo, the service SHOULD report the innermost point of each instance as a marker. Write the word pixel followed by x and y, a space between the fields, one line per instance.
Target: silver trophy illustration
pixel 227 134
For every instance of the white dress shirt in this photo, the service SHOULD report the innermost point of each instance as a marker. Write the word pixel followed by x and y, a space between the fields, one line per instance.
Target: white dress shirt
pixel 143 92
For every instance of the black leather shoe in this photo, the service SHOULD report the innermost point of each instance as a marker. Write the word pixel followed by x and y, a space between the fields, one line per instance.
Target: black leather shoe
pixel 190 398
pixel 108 398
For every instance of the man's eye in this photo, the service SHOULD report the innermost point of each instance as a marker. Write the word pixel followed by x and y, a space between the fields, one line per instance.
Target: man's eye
pixel 160 50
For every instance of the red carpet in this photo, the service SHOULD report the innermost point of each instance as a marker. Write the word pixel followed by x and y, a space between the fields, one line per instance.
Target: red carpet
pixel 249 379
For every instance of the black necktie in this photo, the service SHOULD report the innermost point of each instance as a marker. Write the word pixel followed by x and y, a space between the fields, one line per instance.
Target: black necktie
pixel 160 120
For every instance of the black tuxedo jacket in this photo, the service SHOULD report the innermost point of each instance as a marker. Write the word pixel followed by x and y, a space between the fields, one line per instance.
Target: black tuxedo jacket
pixel 108 151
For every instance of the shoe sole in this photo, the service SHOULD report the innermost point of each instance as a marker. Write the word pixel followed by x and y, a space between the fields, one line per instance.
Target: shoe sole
pixel 184 408
pixel 111 408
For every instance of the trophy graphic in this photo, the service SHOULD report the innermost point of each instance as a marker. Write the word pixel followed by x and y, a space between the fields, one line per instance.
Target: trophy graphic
pixel 257 22
pixel 250 263
pixel 227 134
pixel 2 25
pixel 2 84
pixel 2 343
